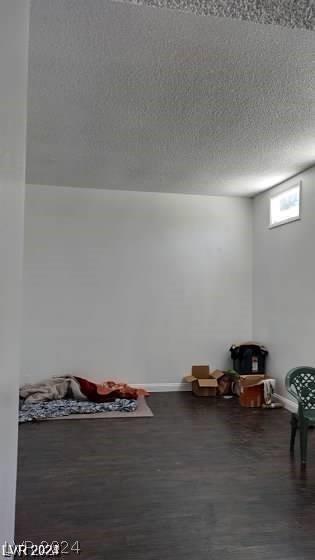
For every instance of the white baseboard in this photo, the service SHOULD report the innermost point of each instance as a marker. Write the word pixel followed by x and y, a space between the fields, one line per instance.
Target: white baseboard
pixel 171 387
pixel 163 387
pixel 287 403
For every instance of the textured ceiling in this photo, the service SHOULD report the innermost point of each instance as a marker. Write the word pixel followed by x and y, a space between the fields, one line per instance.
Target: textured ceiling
pixel 131 97
pixel 289 13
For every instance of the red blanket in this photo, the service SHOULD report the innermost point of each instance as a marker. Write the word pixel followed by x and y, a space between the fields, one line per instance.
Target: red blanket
pixel 108 391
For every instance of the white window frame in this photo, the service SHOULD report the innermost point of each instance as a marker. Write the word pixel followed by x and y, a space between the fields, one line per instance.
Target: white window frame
pixel 279 193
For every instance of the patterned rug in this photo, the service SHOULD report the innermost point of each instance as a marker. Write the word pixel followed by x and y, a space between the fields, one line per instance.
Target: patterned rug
pixel 67 409
pixel 142 411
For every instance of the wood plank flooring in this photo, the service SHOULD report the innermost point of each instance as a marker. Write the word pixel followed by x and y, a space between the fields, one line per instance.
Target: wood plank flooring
pixel 202 480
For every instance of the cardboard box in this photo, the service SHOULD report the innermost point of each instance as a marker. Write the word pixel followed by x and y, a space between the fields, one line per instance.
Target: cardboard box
pixel 216 374
pixel 204 383
pixel 204 387
pixel 251 390
pixel 251 380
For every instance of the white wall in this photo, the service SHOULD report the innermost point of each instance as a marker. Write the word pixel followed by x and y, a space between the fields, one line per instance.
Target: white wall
pixel 14 16
pixel 284 282
pixel 135 286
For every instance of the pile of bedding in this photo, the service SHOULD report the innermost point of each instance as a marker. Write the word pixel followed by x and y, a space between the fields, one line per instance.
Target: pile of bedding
pixel 63 396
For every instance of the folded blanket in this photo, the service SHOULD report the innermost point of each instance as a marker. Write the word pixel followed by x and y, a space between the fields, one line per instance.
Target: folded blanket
pixel 64 407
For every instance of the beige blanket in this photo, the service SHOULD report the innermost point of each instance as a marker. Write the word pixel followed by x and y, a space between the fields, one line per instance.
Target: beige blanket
pixel 52 389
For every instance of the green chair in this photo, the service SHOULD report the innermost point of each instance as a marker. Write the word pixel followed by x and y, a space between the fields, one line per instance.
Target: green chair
pixel 300 383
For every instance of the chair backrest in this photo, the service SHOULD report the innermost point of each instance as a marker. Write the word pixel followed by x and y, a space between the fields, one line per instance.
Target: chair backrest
pixel 300 383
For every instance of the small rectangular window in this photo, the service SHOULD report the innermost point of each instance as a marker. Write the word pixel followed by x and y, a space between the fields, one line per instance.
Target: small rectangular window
pixel 286 206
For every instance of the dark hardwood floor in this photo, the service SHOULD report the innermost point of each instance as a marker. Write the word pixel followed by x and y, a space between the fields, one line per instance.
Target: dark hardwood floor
pixel 202 480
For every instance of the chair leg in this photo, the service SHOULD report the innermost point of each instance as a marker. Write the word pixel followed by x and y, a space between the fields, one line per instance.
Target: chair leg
pixel 303 440
pixel 294 424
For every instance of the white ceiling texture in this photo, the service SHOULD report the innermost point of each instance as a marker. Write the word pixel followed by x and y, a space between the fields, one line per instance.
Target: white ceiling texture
pixel 132 97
